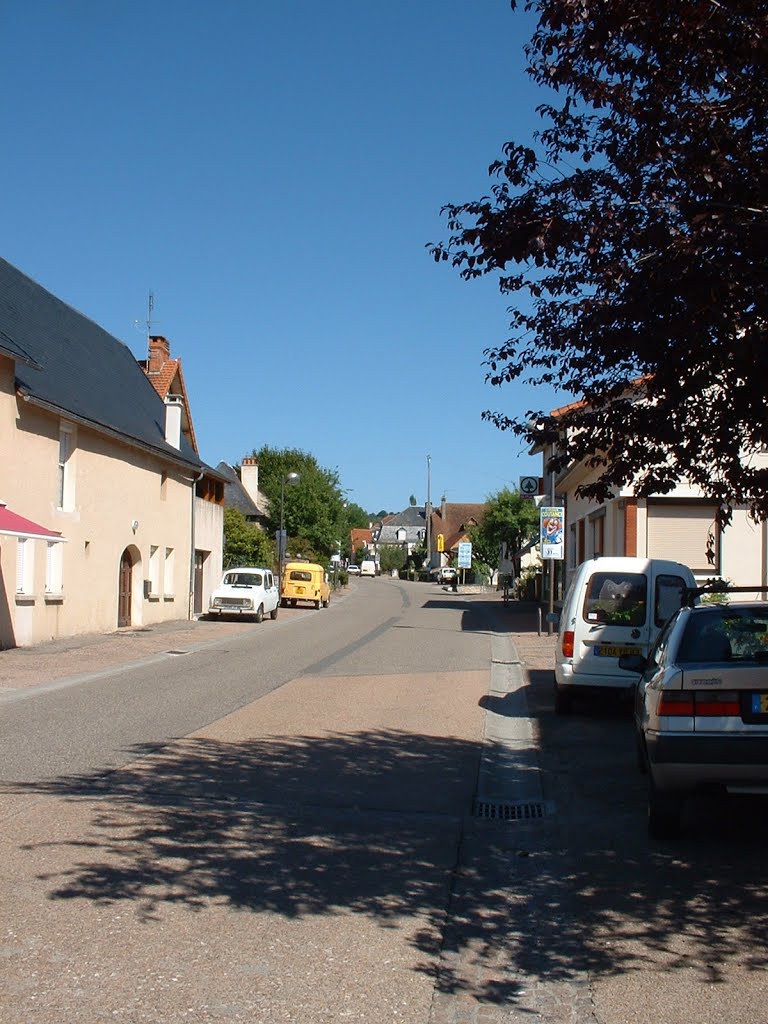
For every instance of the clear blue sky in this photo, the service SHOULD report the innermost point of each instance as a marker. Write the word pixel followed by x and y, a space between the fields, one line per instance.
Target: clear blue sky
pixel 272 172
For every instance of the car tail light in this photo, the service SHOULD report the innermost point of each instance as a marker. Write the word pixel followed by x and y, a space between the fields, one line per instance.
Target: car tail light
pixel 704 705
pixel 674 704
pixel 568 643
pixel 718 705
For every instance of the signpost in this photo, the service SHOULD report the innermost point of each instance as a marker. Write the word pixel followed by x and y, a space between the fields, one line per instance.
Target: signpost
pixel 465 555
pixel 529 486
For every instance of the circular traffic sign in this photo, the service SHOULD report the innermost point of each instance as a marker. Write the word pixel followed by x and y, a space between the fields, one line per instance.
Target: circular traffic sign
pixel 529 485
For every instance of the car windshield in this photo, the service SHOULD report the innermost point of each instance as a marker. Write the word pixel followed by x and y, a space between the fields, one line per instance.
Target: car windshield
pixel 243 579
pixel 616 598
pixel 725 634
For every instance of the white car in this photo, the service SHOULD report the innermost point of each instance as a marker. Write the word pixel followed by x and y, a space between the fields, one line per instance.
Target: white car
pixel 353 570
pixel 247 591
pixel 368 567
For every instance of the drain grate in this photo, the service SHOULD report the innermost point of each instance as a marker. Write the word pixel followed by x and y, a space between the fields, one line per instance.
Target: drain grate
pixel 176 654
pixel 510 811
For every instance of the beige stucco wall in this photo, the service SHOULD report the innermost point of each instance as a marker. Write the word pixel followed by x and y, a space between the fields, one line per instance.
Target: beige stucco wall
pixel 209 537
pixel 113 485
pixel 743 545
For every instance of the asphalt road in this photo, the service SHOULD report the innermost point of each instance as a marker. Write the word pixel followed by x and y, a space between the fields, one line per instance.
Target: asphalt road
pixel 290 837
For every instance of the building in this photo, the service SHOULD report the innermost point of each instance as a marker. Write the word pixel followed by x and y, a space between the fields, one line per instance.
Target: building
pixel 97 478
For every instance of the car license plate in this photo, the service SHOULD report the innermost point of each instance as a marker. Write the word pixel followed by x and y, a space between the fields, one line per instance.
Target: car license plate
pixel 299 590
pixel 760 703
pixel 614 650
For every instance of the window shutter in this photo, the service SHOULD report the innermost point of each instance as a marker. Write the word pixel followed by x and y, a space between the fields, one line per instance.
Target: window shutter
pixel 680 532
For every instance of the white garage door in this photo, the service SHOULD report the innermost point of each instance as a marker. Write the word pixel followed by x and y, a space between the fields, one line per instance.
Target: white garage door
pixel 680 532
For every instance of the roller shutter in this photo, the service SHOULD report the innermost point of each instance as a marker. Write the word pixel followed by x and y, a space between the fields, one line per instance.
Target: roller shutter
pixel 680 532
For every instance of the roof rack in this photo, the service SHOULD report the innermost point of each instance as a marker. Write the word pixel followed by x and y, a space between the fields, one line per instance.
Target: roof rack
pixel 717 586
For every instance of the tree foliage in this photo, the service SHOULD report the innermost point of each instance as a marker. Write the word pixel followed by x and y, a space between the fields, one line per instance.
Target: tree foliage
pixel 510 520
pixel 631 234
pixel 245 543
pixel 317 517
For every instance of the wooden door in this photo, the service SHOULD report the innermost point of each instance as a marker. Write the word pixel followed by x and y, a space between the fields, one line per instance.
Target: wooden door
pixel 124 591
pixel 199 562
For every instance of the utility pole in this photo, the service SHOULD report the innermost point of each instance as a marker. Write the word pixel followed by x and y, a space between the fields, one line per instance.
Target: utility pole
pixel 429 512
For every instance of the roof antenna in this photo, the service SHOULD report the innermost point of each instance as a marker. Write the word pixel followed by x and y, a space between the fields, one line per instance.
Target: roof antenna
pixel 148 323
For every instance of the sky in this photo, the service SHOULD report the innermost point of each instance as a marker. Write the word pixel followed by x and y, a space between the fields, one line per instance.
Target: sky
pixel 272 172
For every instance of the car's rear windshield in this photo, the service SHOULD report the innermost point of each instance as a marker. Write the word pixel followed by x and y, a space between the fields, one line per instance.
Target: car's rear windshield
pixel 301 575
pixel 725 634
pixel 243 579
pixel 616 598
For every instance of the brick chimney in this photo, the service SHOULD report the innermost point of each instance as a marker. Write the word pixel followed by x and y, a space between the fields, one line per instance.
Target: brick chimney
pixel 249 478
pixel 159 353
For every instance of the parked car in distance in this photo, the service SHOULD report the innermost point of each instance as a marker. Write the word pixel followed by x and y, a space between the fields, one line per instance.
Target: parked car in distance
pixel 613 606
pixel 701 707
pixel 246 591
pixel 353 570
pixel 445 574
pixel 305 581
pixel 367 567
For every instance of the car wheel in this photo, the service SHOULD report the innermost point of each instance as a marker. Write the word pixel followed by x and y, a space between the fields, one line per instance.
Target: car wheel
pixel 273 613
pixel 563 701
pixel 664 810
pixel 260 613
pixel 327 602
pixel 318 604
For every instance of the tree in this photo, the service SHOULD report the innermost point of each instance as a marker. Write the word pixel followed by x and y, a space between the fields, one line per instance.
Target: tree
pixel 245 543
pixel 633 233
pixel 510 520
pixel 316 514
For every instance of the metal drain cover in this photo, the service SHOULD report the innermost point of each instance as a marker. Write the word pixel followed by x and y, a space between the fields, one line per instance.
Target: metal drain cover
pixel 176 653
pixel 515 810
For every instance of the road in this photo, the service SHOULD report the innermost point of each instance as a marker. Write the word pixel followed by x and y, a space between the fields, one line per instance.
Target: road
pixel 279 828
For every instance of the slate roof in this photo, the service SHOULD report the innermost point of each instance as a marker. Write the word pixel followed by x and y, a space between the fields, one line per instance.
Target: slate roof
pixel 412 519
pixel 75 367
pixel 235 495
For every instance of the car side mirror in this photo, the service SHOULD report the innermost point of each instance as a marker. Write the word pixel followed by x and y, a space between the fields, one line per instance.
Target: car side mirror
pixel 633 663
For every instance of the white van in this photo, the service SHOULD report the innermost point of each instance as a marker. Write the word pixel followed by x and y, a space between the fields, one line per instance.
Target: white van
pixel 613 606
pixel 367 567
pixel 247 591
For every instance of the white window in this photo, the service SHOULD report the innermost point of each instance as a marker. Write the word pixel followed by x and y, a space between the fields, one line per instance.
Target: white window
pixel 54 566
pixel 168 570
pixel 154 570
pixel 25 565
pixel 65 494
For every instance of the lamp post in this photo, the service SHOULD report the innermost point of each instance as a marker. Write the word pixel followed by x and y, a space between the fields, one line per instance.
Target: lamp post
pixel 289 478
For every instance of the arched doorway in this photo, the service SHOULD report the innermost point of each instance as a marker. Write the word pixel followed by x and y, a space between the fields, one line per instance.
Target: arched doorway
pixel 125 589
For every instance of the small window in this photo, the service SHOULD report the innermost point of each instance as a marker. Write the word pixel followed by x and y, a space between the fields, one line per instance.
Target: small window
pixel 65 483
pixel 25 565
pixel 54 568
pixel 154 570
pixel 163 486
pixel 616 599
pixel 168 571
pixel 300 576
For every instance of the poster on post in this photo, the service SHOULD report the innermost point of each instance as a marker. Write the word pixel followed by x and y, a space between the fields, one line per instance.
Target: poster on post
pixel 552 520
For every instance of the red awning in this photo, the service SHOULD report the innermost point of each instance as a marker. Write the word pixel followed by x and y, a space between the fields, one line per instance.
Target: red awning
pixel 13 525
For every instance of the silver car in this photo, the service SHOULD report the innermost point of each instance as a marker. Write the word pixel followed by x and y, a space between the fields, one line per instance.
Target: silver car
pixel 701 708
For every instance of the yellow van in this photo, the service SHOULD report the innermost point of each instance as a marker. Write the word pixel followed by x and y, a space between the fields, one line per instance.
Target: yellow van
pixel 305 581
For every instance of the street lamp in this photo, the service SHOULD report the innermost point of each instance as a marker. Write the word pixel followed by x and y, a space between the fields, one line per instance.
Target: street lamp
pixel 289 478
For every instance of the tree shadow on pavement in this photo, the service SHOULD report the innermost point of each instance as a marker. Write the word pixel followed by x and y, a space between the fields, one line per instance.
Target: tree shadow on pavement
pixel 300 826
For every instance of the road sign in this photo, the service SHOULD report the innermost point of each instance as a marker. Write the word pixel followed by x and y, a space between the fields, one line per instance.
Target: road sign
pixel 465 555
pixel 529 486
